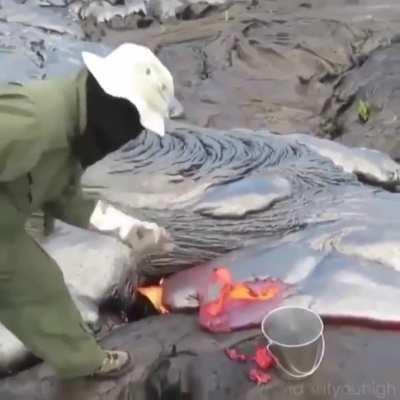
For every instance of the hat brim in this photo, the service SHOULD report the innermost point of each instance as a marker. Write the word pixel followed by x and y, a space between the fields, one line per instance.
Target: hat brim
pixel 115 85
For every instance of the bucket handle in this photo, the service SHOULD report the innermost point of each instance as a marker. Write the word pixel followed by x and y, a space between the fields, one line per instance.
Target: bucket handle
pixel 300 374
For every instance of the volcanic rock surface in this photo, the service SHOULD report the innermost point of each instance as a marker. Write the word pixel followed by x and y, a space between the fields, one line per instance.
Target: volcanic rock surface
pixel 286 66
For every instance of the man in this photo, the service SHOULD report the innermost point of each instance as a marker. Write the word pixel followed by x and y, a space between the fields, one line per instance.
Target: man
pixel 49 130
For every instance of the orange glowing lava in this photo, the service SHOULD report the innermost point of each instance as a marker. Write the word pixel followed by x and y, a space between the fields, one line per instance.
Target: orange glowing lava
pixel 154 294
pixel 247 291
pixel 231 295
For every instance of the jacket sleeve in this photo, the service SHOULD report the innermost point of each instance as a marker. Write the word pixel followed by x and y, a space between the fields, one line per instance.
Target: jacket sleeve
pixel 21 141
pixel 73 206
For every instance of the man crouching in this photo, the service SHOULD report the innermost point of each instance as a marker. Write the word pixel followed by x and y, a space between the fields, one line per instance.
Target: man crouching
pixel 50 131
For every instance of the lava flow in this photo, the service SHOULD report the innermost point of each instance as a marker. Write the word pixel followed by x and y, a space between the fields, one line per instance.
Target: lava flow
pixel 154 294
pixel 226 305
pixel 236 293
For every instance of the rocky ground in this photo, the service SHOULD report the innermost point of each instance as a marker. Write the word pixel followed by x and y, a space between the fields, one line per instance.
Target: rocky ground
pixel 359 364
pixel 286 65
pixel 305 65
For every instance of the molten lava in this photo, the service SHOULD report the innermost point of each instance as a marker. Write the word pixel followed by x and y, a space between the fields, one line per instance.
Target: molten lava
pixel 232 305
pixel 238 304
pixel 251 291
pixel 154 294
pixel 241 291
pixel 262 361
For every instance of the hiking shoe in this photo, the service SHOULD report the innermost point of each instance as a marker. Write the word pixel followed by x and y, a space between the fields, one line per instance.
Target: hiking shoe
pixel 114 365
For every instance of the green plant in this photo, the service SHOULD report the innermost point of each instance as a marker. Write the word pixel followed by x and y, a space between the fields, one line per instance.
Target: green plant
pixel 363 110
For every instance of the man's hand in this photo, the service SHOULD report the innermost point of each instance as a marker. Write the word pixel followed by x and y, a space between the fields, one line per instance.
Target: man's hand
pixel 141 236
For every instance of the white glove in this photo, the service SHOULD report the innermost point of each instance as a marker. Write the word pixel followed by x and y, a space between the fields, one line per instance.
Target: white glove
pixel 139 235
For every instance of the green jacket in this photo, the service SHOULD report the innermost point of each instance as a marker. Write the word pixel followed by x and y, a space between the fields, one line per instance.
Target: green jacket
pixel 38 170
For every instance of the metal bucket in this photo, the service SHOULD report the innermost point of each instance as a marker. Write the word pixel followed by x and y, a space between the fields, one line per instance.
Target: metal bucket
pixel 295 340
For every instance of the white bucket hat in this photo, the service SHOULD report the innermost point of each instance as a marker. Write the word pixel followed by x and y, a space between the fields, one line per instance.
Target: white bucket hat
pixel 134 73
